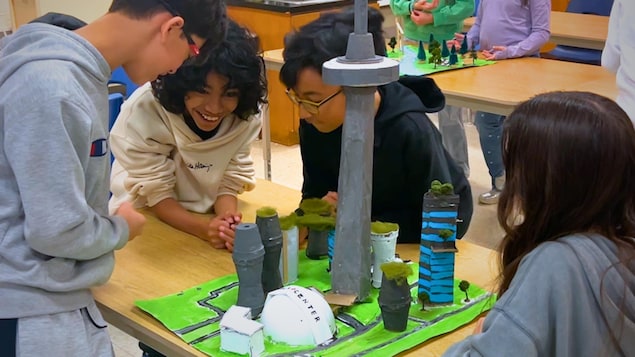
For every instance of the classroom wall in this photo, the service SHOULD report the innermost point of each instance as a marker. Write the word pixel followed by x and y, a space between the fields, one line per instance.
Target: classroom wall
pixel 87 10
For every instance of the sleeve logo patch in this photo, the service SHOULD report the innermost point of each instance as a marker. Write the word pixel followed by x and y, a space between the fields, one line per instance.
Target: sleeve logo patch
pixel 99 147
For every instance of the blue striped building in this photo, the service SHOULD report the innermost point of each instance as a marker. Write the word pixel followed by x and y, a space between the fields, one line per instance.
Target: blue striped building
pixel 436 259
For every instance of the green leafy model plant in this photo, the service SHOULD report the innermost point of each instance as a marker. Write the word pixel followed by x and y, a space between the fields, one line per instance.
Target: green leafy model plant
pixel 392 43
pixel 378 227
pixel 441 189
pixel 464 285
pixel 424 298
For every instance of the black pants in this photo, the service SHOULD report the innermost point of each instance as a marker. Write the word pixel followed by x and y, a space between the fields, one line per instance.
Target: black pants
pixel 149 351
pixel 8 333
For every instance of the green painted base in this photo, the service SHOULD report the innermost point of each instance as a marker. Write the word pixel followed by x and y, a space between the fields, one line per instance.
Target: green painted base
pixel 410 65
pixel 194 315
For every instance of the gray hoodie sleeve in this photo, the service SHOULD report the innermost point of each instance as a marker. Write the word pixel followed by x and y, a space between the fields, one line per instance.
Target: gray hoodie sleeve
pixel 48 150
pixel 542 312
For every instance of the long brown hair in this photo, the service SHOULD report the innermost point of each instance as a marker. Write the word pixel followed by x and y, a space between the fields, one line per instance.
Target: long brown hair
pixel 570 168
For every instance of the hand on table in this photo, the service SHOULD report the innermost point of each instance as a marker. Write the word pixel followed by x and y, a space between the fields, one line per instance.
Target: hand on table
pixel 424 5
pixel 135 220
pixel 222 230
pixel 491 54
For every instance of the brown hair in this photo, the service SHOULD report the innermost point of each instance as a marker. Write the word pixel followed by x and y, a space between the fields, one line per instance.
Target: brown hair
pixel 570 168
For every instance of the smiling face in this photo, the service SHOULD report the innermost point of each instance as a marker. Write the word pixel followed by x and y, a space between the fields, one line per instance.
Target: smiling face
pixel 309 86
pixel 208 109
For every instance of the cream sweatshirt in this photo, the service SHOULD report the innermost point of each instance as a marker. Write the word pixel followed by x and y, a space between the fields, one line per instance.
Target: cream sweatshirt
pixel 157 156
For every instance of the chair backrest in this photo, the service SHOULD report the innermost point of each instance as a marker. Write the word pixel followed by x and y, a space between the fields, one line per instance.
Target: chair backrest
pixel 476 2
pixel 119 76
pixel 115 100
pixel 594 7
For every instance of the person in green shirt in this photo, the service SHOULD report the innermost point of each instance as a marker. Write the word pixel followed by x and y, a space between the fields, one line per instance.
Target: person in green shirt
pixel 442 19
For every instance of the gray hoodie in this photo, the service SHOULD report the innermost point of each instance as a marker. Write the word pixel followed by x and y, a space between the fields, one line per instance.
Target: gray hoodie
pixel 556 303
pixel 56 240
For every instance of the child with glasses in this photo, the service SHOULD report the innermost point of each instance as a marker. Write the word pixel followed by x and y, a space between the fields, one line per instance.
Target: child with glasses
pixel 183 144
pixel 57 237
pixel 408 153
pixel 567 276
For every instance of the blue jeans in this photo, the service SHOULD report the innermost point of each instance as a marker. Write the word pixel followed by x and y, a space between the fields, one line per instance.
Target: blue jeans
pixel 453 134
pixel 490 131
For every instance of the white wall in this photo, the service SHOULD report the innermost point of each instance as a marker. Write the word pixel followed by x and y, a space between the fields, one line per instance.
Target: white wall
pixel 87 10
pixel 6 22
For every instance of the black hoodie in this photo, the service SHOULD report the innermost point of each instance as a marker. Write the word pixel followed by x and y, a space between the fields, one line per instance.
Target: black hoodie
pixel 408 156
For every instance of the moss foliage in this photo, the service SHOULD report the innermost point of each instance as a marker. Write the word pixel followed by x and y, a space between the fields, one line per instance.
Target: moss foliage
pixel 441 189
pixel 265 212
pixel 397 271
pixel 383 227
pixel 288 222
pixel 445 234
pixel 316 206
pixel 317 222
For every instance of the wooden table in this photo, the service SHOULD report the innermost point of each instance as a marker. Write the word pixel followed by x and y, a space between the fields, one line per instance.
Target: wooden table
pixel 500 87
pixel 163 261
pixel 571 29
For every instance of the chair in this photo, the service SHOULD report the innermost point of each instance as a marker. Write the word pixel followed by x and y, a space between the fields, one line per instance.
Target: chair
pixel 476 2
pixel 115 100
pixel 120 87
pixel 577 54
pixel 118 79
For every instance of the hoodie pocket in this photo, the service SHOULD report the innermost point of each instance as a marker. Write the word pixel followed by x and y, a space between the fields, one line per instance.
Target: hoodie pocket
pixel 94 316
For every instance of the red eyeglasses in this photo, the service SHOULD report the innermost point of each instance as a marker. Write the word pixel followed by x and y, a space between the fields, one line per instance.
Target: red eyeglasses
pixel 193 47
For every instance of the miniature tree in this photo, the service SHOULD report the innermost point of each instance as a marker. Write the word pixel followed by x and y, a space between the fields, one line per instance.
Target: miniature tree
pixel 435 57
pixel 392 43
pixel 454 59
pixel 464 45
pixel 431 39
pixel 424 298
pixel 444 49
pixel 473 55
pixel 464 285
pixel 421 53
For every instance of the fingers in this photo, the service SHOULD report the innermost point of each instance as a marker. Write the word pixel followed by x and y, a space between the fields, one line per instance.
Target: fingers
pixel 479 325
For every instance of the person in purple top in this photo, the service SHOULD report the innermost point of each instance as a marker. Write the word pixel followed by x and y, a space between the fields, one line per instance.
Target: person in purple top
pixel 504 29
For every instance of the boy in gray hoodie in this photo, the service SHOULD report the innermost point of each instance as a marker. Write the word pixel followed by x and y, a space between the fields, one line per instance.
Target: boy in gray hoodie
pixel 56 238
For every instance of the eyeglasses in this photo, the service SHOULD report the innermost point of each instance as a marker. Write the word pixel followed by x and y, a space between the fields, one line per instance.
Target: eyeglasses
pixel 193 47
pixel 309 106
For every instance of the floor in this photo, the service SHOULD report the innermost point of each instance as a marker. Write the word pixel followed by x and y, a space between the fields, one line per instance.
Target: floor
pixel 287 170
